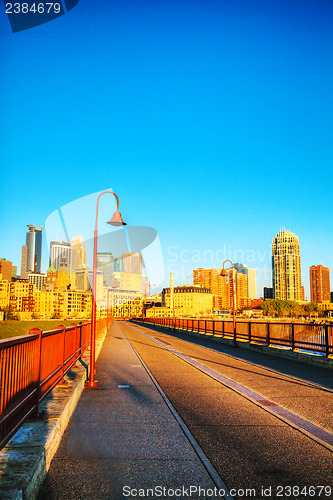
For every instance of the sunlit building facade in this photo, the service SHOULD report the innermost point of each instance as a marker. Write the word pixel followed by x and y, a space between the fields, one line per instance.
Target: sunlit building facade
pixel 223 287
pixel 188 300
pixel 286 266
pixel 251 279
pixel 38 279
pixel 6 269
pixel 320 284
pixel 32 251
pixel 132 262
pixel 60 254
pixel 79 253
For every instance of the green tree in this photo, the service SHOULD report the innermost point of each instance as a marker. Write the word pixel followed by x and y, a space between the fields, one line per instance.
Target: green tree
pixel 281 308
pixel 10 314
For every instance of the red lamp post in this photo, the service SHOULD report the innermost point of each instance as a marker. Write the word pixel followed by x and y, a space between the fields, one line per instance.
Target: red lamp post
pixel 224 273
pixel 115 221
pixel 108 305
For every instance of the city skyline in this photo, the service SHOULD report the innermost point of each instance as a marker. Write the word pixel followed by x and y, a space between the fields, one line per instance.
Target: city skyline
pixel 211 122
pixel 133 262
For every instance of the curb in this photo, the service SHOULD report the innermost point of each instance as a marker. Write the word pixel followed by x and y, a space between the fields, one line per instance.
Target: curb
pixel 25 460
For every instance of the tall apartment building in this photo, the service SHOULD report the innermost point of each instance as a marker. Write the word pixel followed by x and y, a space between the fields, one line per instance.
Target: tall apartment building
pixel 60 254
pixel 286 266
pixel 222 287
pixel 241 289
pixel 320 284
pixel 24 262
pixel 132 262
pixel 79 253
pixel 251 279
pixel 32 251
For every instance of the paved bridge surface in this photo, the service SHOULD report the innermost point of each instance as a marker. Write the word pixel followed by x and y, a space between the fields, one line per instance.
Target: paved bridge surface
pixel 173 414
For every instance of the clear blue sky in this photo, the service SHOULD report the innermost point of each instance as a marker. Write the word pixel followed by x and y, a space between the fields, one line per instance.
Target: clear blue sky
pixel 212 121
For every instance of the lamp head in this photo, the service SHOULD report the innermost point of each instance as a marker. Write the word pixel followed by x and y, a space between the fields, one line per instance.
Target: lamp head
pixel 223 272
pixel 116 220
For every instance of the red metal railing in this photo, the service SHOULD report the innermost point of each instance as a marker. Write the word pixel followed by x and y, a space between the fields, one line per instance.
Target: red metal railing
pixel 32 365
pixel 309 337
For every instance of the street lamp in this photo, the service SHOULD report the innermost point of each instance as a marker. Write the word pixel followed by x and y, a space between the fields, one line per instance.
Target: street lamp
pixel 108 304
pixel 115 221
pixel 224 273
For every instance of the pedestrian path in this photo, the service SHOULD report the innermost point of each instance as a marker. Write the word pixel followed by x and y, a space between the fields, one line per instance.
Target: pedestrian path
pixel 123 439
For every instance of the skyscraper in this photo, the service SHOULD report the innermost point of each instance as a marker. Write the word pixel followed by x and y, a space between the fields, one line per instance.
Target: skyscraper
pixel 105 264
pixel 286 266
pixel 132 262
pixel 79 253
pixel 60 254
pixel 32 251
pixel 24 257
pixel 251 279
pixel 320 284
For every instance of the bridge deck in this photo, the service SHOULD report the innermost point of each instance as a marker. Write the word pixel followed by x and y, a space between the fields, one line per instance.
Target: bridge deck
pixel 123 433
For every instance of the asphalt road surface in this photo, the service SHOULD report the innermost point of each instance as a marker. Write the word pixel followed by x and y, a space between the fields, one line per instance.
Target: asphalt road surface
pixel 256 453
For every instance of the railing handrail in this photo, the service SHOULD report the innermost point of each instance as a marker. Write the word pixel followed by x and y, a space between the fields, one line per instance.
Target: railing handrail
pixel 32 365
pixel 17 340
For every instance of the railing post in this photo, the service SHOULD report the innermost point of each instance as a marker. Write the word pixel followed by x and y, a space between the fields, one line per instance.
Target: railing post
pixel 223 328
pixel 80 339
pixel 37 365
pixel 76 344
pixel 327 347
pixel 250 330
pixel 63 382
pixel 268 333
pixel 213 328
pixel 292 336
pixel 205 327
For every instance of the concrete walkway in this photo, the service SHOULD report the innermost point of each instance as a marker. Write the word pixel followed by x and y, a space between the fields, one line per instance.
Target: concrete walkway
pixel 122 437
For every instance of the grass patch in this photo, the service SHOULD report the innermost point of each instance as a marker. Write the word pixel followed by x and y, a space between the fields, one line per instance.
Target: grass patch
pixel 18 328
